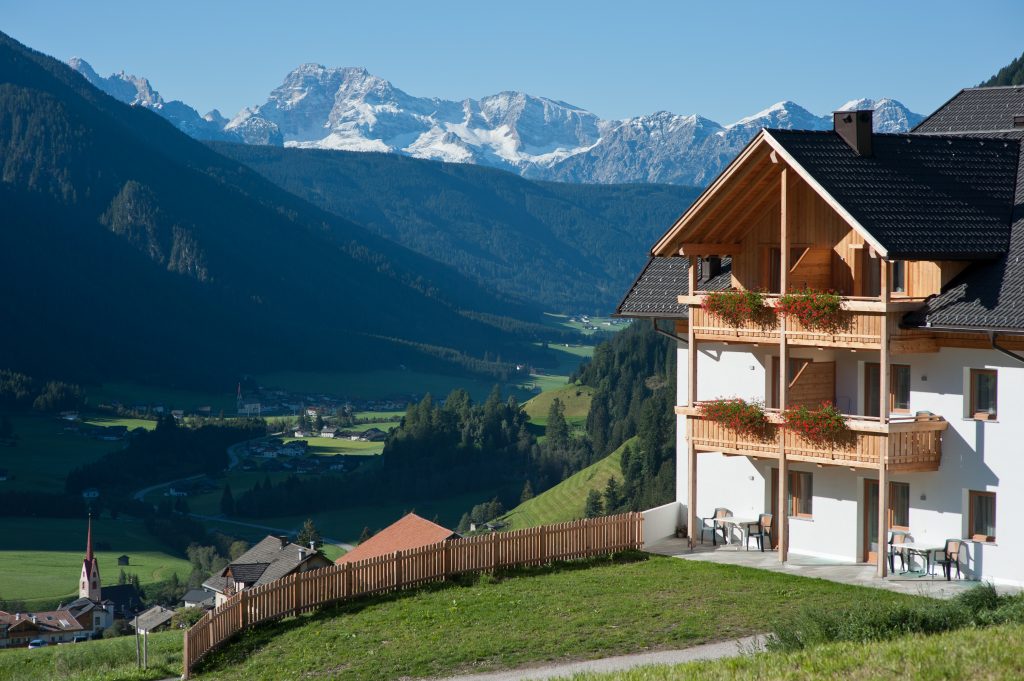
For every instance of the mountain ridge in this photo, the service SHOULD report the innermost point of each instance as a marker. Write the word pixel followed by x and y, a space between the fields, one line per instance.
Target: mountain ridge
pixel 351 109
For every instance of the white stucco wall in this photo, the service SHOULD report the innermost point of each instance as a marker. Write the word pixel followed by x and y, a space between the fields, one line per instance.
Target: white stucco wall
pixel 984 456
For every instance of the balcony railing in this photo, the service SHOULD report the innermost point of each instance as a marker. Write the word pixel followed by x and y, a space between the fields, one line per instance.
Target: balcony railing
pixel 908 444
pixel 862 327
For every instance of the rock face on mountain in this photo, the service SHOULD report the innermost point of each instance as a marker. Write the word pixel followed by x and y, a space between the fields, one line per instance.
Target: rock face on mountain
pixel 138 91
pixel 351 109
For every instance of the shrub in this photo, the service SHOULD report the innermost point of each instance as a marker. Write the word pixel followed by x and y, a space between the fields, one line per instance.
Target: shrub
pixel 746 418
pixel 824 426
pixel 815 309
pixel 736 308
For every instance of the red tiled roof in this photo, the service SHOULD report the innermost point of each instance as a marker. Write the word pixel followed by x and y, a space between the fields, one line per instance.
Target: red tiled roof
pixel 410 532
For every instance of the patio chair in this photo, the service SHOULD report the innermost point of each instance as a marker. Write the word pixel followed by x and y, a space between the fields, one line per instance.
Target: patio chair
pixel 715 526
pixel 950 557
pixel 897 538
pixel 761 530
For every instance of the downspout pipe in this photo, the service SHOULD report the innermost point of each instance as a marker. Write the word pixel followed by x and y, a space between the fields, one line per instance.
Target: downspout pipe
pixel 992 336
pixel 679 339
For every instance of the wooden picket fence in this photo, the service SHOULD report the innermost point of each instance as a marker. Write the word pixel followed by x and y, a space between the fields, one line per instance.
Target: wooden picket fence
pixel 304 591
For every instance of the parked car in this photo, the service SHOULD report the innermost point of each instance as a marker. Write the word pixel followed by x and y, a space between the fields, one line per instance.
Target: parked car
pixel 36 643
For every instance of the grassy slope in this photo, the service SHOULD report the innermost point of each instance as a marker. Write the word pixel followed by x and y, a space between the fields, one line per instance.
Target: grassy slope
pixel 581 613
pixel 532 617
pixel 575 398
pixel 37 566
pixel 987 653
pixel 566 500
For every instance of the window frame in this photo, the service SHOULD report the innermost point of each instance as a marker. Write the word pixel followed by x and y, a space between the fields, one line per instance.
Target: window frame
pixel 892 505
pixel 795 494
pixel 973 412
pixel 870 387
pixel 972 495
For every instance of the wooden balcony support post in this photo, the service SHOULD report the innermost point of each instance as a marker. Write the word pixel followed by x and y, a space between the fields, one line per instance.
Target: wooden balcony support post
pixel 782 522
pixel 883 417
pixel 691 397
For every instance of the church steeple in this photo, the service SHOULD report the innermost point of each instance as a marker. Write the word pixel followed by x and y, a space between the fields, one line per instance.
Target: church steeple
pixel 89 587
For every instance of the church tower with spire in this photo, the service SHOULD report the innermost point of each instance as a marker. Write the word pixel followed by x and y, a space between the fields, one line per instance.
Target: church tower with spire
pixel 89 587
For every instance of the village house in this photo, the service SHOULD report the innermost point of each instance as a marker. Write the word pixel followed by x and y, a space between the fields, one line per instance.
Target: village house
pixel 922 237
pixel 154 619
pixel 272 558
pixel 198 598
pixel 328 431
pixel 55 626
pixel 409 532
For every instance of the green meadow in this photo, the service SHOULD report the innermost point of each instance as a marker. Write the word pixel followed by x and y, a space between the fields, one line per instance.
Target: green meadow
pixel 38 565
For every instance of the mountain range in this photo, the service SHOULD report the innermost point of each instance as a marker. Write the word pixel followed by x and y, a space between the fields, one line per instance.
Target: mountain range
pixel 539 138
pixel 132 250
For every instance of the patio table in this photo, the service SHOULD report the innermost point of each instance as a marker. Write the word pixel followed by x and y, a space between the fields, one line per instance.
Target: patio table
pixel 738 521
pixel 923 549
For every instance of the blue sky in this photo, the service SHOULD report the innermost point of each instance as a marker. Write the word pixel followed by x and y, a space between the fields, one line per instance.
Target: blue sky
pixel 723 60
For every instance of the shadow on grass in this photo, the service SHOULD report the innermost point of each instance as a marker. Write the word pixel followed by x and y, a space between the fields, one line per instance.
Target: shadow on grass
pixel 241 646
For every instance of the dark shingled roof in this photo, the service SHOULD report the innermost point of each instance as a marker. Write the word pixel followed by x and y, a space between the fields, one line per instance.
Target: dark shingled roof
pixel 986 109
pixel 987 295
pixel 922 197
pixel 268 560
pixel 655 292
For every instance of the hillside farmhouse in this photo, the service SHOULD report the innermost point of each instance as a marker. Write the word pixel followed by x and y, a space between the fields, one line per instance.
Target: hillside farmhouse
pixel 272 558
pixel 921 235
pixel 409 532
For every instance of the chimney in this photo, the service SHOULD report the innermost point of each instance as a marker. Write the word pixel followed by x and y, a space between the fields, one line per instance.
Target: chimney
pixel 312 545
pixel 302 554
pixel 1018 121
pixel 283 539
pixel 711 267
pixel 855 129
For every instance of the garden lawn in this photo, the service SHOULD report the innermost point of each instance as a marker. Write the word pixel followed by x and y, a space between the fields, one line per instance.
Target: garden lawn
pixel 41 558
pixel 568 499
pixel 105 660
pixel 128 422
pixel 536 616
pixel 977 654
pixel 44 453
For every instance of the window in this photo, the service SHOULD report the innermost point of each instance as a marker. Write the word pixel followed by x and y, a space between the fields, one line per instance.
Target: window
pixel 983 394
pixel 899 276
pixel 899 388
pixel 799 494
pixel 981 524
pixel 899 505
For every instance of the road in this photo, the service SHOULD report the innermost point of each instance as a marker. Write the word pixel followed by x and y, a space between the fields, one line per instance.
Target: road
pixel 233 458
pixel 564 670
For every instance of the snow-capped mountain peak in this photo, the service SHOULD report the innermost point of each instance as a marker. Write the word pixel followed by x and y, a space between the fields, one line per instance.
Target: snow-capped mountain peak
pixel 350 108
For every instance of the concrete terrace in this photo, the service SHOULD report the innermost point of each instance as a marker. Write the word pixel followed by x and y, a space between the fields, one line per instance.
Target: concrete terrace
pixel 859 574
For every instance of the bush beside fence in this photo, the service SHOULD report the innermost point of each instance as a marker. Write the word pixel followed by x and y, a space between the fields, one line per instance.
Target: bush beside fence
pixel 304 591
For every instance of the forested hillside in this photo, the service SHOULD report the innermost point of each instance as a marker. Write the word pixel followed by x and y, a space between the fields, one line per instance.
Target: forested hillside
pixel 1011 74
pixel 129 249
pixel 568 247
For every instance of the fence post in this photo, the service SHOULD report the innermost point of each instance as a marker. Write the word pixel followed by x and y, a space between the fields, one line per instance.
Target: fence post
pixel 543 545
pixel 243 609
pixel 186 664
pixel 397 564
pixel 296 593
pixel 446 561
pixel 346 581
pixel 494 551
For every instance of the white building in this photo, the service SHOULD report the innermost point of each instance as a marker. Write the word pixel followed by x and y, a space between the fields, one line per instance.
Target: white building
pixel 922 235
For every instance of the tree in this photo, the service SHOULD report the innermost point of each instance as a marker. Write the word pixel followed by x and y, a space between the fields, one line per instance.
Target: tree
pixel 227 501
pixel 318 422
pixel 612 495
pixel 237 548
pixel 186 617
pixel 557 429
pixel 594 507
pixel 527 493
pixel 309 534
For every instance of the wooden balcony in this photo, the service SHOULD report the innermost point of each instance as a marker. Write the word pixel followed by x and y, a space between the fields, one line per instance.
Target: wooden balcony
pixel 862 330
pixel 908 444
